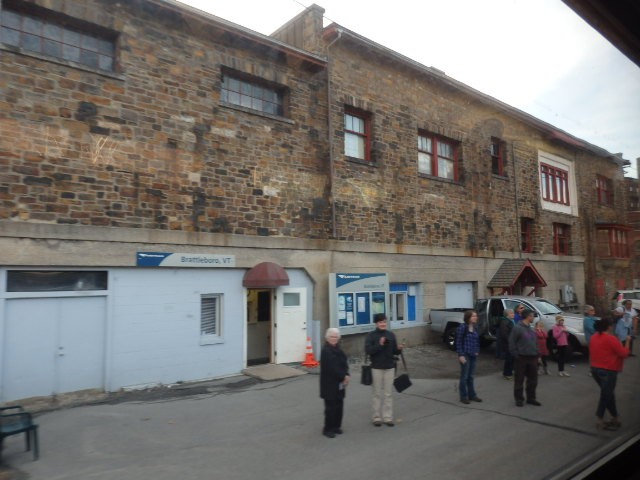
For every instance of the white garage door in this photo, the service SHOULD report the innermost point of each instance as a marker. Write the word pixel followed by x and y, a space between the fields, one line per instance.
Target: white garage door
pixel 53 345
pixel 459 295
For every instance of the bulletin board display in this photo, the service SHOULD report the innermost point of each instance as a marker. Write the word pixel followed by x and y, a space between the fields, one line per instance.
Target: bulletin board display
pixel 355 298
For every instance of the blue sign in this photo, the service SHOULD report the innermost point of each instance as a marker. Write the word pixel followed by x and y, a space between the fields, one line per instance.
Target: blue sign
pixel 343 279
pixel 163 259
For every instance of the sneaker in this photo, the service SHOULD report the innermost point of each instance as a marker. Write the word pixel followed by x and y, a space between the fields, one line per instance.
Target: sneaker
pixel 329 434
pixel 338 431
pixel 566 374
pixel 377 423
pixel 389 423
pixel 507 377
pixel 476 399
pixel 465 401
pixel 534 402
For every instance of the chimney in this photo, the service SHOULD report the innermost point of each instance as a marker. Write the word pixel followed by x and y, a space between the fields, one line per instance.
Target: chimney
pixel 304 31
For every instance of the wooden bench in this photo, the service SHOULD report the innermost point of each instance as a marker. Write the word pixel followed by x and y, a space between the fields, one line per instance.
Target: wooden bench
pixel 13 421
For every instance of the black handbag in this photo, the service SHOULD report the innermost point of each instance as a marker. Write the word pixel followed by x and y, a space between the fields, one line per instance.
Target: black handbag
pixel 402 381
pixel 365 374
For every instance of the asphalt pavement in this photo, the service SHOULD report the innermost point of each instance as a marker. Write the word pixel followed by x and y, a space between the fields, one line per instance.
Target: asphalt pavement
pixel 246 428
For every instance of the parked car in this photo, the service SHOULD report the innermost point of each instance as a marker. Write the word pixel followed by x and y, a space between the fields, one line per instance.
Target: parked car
pixel 622 295
pixel 490 311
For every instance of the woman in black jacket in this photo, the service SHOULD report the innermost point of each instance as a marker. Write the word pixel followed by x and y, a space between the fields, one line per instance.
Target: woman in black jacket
pixel 334 378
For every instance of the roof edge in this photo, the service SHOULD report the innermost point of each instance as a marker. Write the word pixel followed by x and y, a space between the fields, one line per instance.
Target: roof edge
pixel 239 30
pixel 335 30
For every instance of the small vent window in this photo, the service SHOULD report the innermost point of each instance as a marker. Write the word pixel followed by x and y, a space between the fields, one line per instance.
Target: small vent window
pixel 210 314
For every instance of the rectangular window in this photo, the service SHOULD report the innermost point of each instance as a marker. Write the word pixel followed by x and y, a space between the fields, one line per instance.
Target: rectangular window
pixel 48 33
pixel 437 156
pixel 526 235
pixel 561 238
pixel 612 241
pixel 357 134
pixel 252 93
pixel 56 281
pixel 498 149
pixel 604 190
pixel 210 313
pixel 554 183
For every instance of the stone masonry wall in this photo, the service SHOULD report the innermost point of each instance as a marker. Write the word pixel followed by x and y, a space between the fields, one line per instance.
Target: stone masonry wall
pixel 152 146
pixel 389 202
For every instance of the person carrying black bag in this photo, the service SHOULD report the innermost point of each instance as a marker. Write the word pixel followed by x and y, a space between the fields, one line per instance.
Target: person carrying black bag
pixel 381 346
pixel 334 378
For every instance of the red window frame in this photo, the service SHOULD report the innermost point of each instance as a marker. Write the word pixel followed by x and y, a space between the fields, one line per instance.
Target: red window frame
pixel 616 241
pixel 497 149
pixel 554 183
pixel 526 232
pixel 561 238
pixel 436 153
pixel 366 135
pixel 604 190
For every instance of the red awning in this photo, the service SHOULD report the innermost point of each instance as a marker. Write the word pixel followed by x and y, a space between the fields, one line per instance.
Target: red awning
pixel 265 275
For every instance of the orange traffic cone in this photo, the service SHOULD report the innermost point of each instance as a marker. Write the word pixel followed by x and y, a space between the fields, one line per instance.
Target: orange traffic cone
pixel 309 360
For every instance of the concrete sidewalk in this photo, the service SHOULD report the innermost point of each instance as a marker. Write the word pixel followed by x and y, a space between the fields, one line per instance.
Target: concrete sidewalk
pixel 240 429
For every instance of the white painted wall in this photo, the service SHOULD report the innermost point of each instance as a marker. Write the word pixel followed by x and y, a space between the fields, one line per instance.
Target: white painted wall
pixel 155 332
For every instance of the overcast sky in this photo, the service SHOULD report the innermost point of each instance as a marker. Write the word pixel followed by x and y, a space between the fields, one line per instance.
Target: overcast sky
pixel 537 56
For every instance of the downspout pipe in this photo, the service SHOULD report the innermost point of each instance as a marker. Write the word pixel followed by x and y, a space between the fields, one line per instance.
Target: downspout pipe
pixel 515 190
pixel 332 169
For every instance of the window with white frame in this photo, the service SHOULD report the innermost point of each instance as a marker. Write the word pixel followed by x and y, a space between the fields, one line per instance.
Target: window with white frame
pixel 437 156
pixel 558 191
pixel 357 134
pixel 210 315
pixel 404 302
pixel 46 32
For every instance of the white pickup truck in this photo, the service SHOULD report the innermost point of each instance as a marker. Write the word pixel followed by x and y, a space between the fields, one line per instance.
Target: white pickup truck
pixel 490 311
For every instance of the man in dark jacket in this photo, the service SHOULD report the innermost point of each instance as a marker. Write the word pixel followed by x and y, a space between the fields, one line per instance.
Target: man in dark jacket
pixel 504 329
pixel 334 377
pixel 381 346
pixel 524 348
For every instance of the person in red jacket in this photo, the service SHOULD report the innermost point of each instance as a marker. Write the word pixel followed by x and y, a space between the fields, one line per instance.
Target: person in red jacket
pixel 606 355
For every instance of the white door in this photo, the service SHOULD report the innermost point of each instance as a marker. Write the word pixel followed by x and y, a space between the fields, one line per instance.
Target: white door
pixel 290 325
pixel 53 345
pixel 459 295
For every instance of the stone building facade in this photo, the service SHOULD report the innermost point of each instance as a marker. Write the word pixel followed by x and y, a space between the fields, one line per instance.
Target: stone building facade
pixel 251 169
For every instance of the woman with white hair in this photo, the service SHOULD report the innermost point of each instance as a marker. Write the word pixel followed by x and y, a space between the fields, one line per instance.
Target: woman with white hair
pixel 334 378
